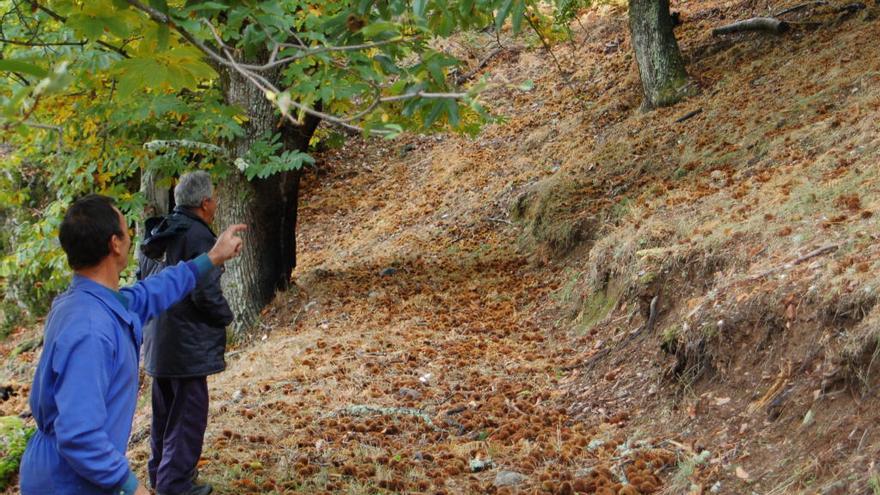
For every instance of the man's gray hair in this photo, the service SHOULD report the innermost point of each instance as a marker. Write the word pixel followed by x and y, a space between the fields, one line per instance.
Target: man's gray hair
pixel 193 188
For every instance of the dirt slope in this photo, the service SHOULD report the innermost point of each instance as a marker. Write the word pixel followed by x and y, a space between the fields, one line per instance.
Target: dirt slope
pixel 457 332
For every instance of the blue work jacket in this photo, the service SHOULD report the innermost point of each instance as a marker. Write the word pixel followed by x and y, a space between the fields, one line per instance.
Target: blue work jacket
pixel 85 388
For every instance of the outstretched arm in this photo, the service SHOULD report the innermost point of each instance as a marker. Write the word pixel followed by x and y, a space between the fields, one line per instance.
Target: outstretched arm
pixel 155 294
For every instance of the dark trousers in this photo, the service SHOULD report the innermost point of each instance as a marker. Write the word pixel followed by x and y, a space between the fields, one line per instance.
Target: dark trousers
pixel 180 416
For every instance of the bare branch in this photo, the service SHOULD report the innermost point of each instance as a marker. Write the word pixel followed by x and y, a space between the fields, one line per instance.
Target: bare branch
pixel 309 52
pixel 424 94
pixel 42 43
pixel 55 128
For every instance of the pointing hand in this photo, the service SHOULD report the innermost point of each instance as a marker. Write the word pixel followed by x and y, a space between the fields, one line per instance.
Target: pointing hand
pixel 228 245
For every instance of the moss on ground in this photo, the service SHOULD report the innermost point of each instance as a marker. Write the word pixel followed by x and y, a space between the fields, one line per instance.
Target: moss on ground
pixel 14 436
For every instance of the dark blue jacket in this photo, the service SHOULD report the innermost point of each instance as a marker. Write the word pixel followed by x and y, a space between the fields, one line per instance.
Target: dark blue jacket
pixel 189 340
pixel 85 388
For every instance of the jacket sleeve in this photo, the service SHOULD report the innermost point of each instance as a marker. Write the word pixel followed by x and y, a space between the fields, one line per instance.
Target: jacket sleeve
pixel 208 298
pixel 80 394
pixel 208 294
pixel 159 292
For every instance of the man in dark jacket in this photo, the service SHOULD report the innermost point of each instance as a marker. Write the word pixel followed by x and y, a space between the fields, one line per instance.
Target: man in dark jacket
pixel 186 344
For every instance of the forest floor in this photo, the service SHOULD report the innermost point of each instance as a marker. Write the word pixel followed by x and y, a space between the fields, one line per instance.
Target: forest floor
pixel 586 297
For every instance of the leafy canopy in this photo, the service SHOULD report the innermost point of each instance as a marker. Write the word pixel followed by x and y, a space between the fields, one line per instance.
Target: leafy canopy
pixel 85 83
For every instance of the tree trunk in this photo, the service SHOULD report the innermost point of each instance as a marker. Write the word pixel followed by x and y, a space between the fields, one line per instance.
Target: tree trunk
pixel 268 207
pixel 157 198
pixel 661 67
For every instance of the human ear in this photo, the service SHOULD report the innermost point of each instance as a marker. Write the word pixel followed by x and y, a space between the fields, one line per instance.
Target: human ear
pixel 115 244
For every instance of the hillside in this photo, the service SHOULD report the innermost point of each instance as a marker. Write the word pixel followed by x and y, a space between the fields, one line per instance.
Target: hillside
pixel 586 297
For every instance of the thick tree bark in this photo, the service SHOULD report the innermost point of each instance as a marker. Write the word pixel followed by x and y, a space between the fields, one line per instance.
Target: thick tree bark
pixel 158 198
pixel 267 206
pixel 661 66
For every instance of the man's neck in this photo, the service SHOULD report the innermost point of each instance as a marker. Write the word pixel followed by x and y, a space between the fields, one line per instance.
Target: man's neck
pixel 200 213
pixel 103 273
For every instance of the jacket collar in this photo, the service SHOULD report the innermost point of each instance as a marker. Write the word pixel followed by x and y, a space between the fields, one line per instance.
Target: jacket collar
pixel 190 214
pixel 114 300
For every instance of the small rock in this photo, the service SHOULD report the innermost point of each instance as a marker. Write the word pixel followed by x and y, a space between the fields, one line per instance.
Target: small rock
pixel 508 478
pixel 478 465
pixel 387 272
pixel 718 178
pixel 237 396
pixel 406 148
pixel 410 393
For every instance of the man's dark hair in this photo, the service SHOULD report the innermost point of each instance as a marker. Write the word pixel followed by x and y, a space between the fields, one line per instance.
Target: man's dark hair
pixel 85 233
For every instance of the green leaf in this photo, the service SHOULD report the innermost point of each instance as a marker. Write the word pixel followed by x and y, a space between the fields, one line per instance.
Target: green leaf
pixel 376 28
pixel 501 15
pixel 516 16
pixel 206 6
pixel 432 116
pixel 446 24
pixel 452 112
pixel 85 25
pixel 419 7
pixel 465 7
pixel 364 6
pixel 162 36
pixel 393 130
pixel 9 65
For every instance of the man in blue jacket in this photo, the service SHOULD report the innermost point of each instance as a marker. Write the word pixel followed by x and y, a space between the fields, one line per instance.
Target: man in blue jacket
pixel 85 388
pixel 185 344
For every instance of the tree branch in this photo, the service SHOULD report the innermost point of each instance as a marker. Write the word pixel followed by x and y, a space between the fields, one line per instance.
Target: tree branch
pixel 160 18
pixel 42 43
pixel 309 52
pixel 60 18
pixel 425 94
pixel 281 99
pixel 55 128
